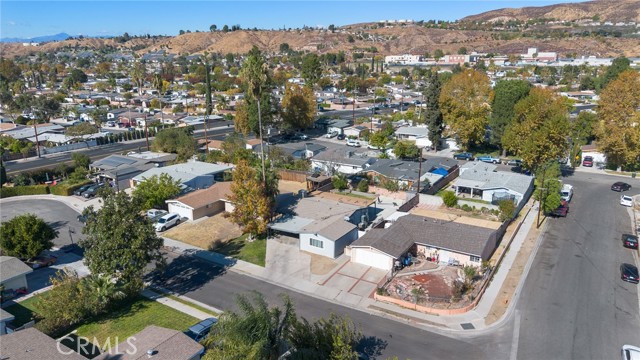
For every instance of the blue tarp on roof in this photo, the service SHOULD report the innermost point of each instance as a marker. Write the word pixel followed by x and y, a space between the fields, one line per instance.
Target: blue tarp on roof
pixel 440 171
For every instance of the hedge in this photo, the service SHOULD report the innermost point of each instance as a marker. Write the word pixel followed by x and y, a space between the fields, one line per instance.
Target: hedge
pixel 6 192
pixel 66 189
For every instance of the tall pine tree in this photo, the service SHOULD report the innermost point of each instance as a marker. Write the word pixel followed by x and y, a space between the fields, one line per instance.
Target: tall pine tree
pixel 433 115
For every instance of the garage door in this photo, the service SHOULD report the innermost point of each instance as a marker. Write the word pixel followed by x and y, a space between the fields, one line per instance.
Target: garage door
pixel 371 258
pixel 184 212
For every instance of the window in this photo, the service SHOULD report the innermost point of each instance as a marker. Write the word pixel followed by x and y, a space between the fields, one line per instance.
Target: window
pixel 316 243
pixel 474 258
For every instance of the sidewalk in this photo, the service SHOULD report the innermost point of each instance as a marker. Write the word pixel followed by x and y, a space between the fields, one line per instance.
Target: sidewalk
pixel 474 319
pixel 200 315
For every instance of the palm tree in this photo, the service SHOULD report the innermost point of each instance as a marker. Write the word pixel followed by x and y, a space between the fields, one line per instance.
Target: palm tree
pixel 104 289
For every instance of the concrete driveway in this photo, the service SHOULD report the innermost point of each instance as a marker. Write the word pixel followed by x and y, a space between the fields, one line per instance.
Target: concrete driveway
pixel 356 279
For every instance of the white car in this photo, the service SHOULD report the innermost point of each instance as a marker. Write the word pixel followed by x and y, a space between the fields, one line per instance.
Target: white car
pixel 154 213
pixel 167 221
pixel 630 352
pixel 354 143
pixel 332 134
pixel 626 200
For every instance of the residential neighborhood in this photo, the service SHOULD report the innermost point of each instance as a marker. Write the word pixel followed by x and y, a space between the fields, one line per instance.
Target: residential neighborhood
pixel 390 189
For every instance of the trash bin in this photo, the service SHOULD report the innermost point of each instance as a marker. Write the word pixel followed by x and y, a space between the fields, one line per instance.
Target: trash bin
pixel 633 175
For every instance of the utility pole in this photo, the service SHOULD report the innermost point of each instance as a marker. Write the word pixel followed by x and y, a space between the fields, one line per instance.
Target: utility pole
pixel 146 132
pixel 35 129
pixel 264 174
pixel 541 199
pixel 208 102
pixel 419 169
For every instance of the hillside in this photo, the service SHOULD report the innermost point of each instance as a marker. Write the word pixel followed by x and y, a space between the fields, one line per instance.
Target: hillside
pixel 605 10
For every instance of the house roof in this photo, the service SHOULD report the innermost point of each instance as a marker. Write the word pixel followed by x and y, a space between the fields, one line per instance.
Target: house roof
pixel 331 230
pixel 418 131
pixel 203 197
pixel 411 229
pixel 253 142
pixel 215 144
pixel 408 170
pixel 29 344
pixel 485 180
pixel 340 156
pixel 6 316
pixel 186 171
pixel 477 165
pixel 167 344
pixel 12 267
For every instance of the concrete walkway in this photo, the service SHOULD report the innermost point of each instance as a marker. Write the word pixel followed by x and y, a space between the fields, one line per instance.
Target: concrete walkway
pixel 200 315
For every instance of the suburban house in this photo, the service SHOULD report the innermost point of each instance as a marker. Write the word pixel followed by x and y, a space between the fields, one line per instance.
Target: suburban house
pixel 356 130
pixel 599 158
pixel 14 273
pixel 482 182
pixel 214 145
pixel 192 174
pixel 204 202
pixel 325 224
pixel 252 144
pixel 119 169
pixel 450 242
pixel 405 173
pixel 155 342
pixel 26 132
pixel 31 343
pixel 302 150
pixel 5 318
pixel 333 125
pixel 418 134
pixel 337 160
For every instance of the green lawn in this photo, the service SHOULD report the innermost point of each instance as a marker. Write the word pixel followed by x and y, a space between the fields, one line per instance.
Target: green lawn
pixel 239 248
pixel 23 311
pixel 131 318
pixel 195 306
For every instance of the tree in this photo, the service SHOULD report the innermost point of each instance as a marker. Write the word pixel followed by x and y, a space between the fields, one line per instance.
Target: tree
pixel 340 182
pixel 138 75
pixel 79 130
pixel 469 274
pixel 251 204
pixel 213 28
pixel 618 133
pixel 175 140
pixel 26 236
pixel 120 242
pixel 507 94
pixel 311 70
pixel 405 149
pixel 380 140
pixel 418 294
pixel 432 114
pixel 81 160
pixel 465 104
pixel 438 54
pixel 548 186
pixel 255 332
pixel 507 210
pixel 152 192
pixel 540 130
pixel 225 28
pixel 618 66
pixel 583 130
pixel 64 305
pixel 298 106
pixel 462 51
pixel 334 338
pixel 285 48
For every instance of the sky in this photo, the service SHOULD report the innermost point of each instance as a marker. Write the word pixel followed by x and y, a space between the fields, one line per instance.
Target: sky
pixel 26 19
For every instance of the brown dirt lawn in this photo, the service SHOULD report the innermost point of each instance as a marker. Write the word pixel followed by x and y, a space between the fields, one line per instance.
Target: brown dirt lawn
pixel 205 232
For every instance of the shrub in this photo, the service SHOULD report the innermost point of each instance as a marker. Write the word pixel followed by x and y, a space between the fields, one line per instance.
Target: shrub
pixel 507 210
pixel 6 192
pixel 67 189
pixel 466 207
pixel 449 198
pixel 391 185
pixel 363 185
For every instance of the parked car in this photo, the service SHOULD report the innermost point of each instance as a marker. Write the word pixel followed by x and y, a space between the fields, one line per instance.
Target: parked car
pixel 152 213
pixel 341 137
pixel 620 186
pixel 332 134
pixel 373 147
pixel 630 241
pixel 587 161
pixel 301 136
pixel 111 123
pixel 354 143
pixel 562 210
pixel 626 200
pixel 200 330
pixel 463 156
pixel 82 189
pixel 514 162
pixel 167 221
pixel 567 192
pixel 488 159
pixel 42 261
pixel 629 273
pixel 83 219
pixel 92 191
pixel 630 352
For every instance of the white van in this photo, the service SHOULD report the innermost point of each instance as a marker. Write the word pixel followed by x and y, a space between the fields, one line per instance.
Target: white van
pixel 567 192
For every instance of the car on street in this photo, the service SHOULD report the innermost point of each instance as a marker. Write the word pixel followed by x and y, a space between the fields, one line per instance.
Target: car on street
pixel 354 143
pixel 626 200
pixel 332 134
pixel 587 161
pixel 463 156
pixel 167 221
pixel 562 210
pixel 620 186
pixel 200 330
pixel 92 191
pixel 629 273
pixel 488 159
pixel 301 136
pixel 630 241
pixel 566 193
pixel 341 137
pixel 514 162
pixel 630 352
pixel 82 189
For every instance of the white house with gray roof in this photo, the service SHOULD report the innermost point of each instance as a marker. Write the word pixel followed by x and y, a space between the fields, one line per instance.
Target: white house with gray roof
pixel 337 160
pixel 481 181
pixel 192 174
pixel 418 134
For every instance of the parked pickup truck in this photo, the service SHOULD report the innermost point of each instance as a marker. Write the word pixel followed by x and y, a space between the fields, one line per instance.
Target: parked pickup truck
pixel 488 159
pixel 42 261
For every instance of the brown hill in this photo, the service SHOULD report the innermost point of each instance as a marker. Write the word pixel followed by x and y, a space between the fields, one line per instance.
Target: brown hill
pixel 606 10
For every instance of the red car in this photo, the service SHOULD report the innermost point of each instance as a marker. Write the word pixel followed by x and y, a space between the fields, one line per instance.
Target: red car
pixel 562 210
pixel 587 161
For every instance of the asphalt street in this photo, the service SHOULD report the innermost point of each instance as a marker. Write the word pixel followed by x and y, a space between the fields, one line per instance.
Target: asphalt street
pixel 573 304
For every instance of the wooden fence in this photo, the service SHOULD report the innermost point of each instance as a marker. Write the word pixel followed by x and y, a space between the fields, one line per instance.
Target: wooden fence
pixel 293 175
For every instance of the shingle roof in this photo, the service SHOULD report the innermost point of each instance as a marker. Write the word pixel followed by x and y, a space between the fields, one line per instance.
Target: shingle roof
pixel 200 198
pixel 12 267
pixel 6 316
pixel 30 344
pixel 408 170
pixel 485 180
pixel 340 156
pixel 412 131
pixel 410 229
pixel 167 344
pixel 186 171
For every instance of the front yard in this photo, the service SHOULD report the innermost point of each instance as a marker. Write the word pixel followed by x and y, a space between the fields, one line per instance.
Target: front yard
pixel 205 233
pixel 241 249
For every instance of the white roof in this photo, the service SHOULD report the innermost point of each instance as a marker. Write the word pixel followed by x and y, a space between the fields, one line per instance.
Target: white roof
pixel 413 130
pixel 186 171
